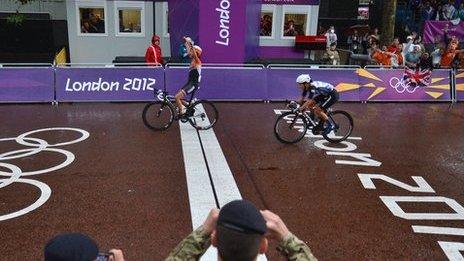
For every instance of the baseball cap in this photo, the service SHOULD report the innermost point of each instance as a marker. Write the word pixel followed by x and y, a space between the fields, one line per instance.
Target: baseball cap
pixel 71 247
pixel 242 216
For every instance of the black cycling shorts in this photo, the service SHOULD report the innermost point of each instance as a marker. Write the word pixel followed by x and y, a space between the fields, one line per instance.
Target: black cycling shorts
pixel 192 84
pixel 325 101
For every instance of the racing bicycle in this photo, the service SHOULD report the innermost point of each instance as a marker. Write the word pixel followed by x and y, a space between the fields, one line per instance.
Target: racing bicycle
pixel 292 125
pixel 159 115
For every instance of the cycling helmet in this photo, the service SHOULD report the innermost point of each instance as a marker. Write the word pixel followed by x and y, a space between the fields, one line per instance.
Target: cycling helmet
pixel 303 78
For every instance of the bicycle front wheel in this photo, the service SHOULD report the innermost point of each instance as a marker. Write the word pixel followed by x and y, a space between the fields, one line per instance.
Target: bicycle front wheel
pixel 290 127
pixel 343 127
pixel 158 115
pixel 202 115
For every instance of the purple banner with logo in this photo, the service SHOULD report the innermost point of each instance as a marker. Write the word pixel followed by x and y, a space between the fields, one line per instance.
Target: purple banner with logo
pixel 460 85
pixel 108 84
pixel 282 85
pixel 222 83
pixel 388 85
pixel 26 84
pixel 290 2
pixel 433 29
pixel 223 30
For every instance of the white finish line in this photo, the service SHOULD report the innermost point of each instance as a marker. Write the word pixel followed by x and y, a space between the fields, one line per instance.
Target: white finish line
pixel 200 189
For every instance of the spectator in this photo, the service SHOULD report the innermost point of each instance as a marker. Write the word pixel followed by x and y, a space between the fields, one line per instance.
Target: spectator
pixel 88 28
pixel 331 36
pixel 449 10
pixel 399 56
pixel 153 54
pixel 412 58
pixel 427 12
pixel 354 42
pixel 375 34
pixel 76 247
pixel 448 56
pixel 238 231
pixel 460 12
pixel 331 55
pixel 183 52
pixel 392 48
pixel 266 26
pixel 383 57
pixel 97 22
pixel 436 57
pixel 289 29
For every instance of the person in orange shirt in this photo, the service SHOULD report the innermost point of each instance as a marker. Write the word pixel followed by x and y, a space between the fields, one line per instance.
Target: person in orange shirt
pixel 153 54
pixel 194 77
pixel 448 57
pixel 383 57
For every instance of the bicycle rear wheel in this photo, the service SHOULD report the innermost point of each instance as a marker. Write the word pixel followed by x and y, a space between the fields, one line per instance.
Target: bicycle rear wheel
pixel 158 115
pixel 290 127
pixel 343 126
pixel 202 115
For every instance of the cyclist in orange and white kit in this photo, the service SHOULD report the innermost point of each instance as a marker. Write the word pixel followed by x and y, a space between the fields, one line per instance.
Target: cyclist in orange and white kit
pixel 194 52
pixel 317 96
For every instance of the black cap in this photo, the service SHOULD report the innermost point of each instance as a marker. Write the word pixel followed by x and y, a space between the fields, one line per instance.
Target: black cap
pixel 242 216
pixel 71 247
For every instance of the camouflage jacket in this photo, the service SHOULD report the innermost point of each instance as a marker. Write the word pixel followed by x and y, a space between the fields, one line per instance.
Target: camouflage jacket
pixel 196 244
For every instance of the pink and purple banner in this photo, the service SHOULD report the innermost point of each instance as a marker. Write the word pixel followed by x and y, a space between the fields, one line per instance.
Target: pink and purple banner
pixel 361 84
pixel 217 83
pixel 108 84
pixel 434 29
pixel 389 85
pixel 27 84
pixel 234 83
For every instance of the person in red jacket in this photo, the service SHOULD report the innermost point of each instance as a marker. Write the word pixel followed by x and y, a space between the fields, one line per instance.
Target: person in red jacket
pixel 153 55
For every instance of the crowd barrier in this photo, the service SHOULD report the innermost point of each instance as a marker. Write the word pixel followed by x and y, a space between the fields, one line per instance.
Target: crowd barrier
pixel 137 82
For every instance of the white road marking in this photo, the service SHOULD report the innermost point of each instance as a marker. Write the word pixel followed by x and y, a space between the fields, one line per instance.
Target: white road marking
pixel 201 196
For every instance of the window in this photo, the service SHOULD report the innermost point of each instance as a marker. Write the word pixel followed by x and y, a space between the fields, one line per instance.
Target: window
pixel 267 23
pixel 294 22
pixel 129 18
pixel 91 18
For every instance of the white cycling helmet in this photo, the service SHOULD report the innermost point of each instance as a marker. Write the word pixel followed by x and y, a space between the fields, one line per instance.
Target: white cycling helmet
pixel 304 78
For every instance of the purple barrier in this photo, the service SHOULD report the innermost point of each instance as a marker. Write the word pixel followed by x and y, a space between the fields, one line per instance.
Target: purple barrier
pixel 233 83
pixel 387 85
pixel 108 84
pixel 26 84
pixel 460 85
pixel 282 85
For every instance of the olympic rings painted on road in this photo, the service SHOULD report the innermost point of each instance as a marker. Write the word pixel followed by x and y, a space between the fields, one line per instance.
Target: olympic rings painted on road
pixel 36 146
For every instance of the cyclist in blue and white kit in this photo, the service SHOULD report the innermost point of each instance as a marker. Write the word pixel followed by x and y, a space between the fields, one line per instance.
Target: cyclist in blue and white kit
pixel 317 96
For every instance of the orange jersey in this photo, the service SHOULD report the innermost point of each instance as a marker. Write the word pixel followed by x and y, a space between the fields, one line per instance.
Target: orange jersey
pixel 447 58
pixel 399 56
pixel 196 62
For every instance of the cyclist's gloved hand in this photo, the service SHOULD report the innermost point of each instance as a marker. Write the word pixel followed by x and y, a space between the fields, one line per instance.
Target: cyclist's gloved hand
pixel 293 105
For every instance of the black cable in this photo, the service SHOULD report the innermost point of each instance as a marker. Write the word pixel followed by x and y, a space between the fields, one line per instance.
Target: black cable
pixel 209 171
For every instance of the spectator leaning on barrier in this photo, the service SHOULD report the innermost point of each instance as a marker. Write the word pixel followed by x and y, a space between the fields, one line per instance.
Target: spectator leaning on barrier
pixel 77 247
pixel 331 55
pixel 412 58
pixel 240 232
pixel 450 54
pixel 153 55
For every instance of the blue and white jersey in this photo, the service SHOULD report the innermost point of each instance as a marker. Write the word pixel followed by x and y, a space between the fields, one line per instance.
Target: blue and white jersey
pixel 319 88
